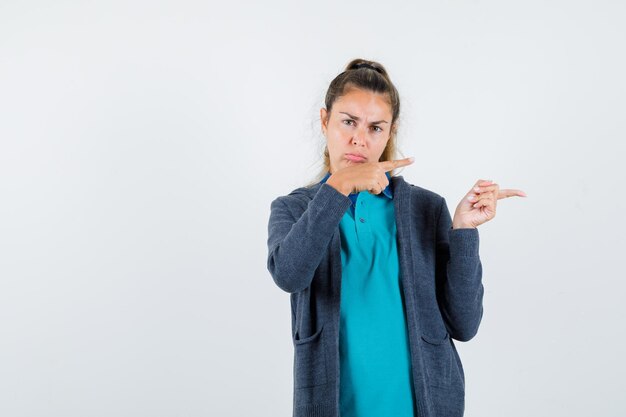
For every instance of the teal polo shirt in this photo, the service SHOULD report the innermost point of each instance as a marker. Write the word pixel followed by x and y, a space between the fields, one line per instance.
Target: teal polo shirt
pixel 375 363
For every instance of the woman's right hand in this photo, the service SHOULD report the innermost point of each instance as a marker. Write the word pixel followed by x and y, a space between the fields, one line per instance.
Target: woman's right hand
pixel 368 176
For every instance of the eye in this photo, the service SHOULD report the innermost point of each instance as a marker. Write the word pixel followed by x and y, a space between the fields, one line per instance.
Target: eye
pixel 379 129
pixel 348 120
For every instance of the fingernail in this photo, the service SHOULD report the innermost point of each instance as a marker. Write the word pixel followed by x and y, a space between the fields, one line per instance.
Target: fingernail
pixel 411 159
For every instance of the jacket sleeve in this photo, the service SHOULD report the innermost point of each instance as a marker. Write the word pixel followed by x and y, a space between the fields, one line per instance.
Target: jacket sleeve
pixel 459 277
pixel 296 246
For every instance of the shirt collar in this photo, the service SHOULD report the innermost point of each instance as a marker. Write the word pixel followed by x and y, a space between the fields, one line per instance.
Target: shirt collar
pixel 387 191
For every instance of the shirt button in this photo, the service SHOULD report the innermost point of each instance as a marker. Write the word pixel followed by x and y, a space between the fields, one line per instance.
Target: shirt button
pixel 362 220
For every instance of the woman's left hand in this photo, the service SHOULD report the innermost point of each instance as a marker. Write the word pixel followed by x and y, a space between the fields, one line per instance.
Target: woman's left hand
pixel 479 204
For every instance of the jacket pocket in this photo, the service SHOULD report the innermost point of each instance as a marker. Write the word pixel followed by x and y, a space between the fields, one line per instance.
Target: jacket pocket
pixel 309 360
pixel 437 359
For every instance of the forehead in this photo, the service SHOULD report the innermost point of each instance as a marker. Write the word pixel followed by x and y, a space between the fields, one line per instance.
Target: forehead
pixel 364 103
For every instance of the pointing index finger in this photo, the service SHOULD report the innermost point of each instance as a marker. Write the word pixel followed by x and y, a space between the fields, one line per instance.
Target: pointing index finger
pixel 504 193
pixel 389 165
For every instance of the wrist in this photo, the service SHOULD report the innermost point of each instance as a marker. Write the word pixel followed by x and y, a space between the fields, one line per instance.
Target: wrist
pixel 337 186
pixel 462 226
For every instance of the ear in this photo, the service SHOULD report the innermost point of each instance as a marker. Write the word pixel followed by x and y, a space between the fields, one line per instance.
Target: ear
pixel 323 115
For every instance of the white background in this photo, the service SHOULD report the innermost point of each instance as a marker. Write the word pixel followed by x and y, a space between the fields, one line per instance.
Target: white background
pixel 142 143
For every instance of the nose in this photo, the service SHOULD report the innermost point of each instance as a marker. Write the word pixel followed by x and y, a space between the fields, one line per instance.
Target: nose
pixel 358 138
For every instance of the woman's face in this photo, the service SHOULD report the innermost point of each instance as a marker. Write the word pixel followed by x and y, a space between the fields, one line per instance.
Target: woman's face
pixel 358 128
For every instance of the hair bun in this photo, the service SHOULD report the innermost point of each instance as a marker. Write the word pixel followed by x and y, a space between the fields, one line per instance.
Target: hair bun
pixel 366 65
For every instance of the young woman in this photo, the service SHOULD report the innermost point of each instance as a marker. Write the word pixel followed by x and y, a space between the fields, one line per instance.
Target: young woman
pixel 381 278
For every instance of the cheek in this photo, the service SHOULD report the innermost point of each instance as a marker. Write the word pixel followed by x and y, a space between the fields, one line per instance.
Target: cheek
pixel 334 147
pixel 337 140
pixel 341 130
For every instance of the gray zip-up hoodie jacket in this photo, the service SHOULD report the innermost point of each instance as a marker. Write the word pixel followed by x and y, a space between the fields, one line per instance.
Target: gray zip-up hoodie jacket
pixel 441 276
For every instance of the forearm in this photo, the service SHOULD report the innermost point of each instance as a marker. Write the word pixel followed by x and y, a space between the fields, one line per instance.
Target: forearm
pixel 296 247
pixel 459 276
pixel 462 288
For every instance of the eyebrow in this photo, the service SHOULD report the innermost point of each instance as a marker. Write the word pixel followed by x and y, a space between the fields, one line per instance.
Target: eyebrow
pixel 357 118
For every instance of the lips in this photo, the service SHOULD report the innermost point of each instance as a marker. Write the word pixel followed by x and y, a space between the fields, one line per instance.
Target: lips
pixel 355 157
